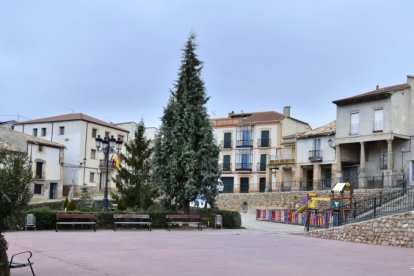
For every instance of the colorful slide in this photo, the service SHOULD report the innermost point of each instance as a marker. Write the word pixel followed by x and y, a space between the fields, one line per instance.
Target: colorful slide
pixel 302 209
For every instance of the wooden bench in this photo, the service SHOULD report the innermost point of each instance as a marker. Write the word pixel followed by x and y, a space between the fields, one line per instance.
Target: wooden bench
pixel 72 219
pixel 15 263
pixel 184 219
pixel 123 219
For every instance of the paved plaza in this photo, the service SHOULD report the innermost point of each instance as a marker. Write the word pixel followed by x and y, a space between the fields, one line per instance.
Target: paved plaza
pixel 262 249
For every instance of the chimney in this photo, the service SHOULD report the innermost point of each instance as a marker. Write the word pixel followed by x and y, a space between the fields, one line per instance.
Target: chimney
pixel 286 111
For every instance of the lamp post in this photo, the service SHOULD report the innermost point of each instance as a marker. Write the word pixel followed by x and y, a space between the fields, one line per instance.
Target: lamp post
pixel 107 145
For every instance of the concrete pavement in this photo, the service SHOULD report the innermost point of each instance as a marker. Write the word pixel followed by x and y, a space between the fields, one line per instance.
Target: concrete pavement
pixel 258 250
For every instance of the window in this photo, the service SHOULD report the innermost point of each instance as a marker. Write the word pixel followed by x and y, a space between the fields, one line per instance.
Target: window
pixel 37 189
pixel 106 133
pixel 227 140
pixel 43 131
pixel 62 130
pixel 35 132
pixel 40 148
pixel 354 123
pixel 244 136
pixel 94 133
pixel 226 163
pixel 378 120
pixel 262 164
pixel 384 162
pixel 93 154
pixel 244 159
pixel 39 170
pixel 264 141
pixel 91 177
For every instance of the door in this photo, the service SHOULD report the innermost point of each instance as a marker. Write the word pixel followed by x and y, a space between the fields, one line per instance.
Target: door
pixel 350 174
pixel 228 183
pixel 264 139
pixel 227 140
pixel 262 166
pixel 246 138
pixel 262 184
pixel 245 162
pixel 53 191
pixel 226 163
pixel 244 185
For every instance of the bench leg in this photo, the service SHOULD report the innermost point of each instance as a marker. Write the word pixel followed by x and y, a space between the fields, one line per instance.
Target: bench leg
pixel 31 268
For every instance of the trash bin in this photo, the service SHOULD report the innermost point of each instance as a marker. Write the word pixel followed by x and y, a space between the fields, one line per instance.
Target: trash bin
pixel 30 221
pixel 218 221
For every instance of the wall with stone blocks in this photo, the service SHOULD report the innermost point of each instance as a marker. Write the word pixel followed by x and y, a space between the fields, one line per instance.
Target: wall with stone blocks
pixel 272 200
pixel 396 230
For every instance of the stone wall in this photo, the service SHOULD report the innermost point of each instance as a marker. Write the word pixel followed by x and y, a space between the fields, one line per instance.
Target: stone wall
pixel 272 200
pixel 396 230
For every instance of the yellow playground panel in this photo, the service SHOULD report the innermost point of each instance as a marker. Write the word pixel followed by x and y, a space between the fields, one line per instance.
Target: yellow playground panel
pixel 341 193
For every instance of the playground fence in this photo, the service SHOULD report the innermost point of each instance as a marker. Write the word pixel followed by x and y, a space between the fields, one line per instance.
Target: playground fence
pixel 323 219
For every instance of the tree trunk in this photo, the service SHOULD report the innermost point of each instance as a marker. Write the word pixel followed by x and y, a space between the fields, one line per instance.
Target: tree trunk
pixel 187 208
pixel 4 267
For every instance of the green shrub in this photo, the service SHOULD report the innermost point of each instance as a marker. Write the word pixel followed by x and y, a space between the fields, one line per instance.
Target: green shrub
pixel 66 203
pixel 71 206
pixel 45 217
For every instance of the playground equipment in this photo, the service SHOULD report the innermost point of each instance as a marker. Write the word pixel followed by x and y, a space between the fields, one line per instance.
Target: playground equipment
pixel 340 203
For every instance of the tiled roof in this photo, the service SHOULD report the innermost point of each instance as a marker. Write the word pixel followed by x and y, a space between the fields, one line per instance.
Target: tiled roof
pixel 7 146
pixel 325 130
pixel 31 139
pixel 260 117
pixel 72 117
pixel 380 93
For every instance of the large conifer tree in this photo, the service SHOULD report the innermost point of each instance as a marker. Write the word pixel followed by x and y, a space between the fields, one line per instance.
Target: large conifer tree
pixel 186 155
pixel 133 180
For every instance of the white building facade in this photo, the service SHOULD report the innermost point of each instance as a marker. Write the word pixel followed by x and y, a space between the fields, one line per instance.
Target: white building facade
pixel 247 142
pixel 82 164
pixel 46 160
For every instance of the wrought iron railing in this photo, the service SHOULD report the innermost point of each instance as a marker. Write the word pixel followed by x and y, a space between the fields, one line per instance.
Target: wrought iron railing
pixel 226 144
pixel 315 155
pixel 244 143
pixel 386 202
pixel 226 166
pixel 261 166
pixel 244 166
pixel 263 143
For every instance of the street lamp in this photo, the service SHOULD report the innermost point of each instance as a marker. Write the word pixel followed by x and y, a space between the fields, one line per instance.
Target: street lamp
pixel 107 145
pixel 331 143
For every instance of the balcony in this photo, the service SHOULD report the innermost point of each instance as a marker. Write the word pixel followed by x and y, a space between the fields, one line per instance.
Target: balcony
pixel 315 155
pixel 102 165
pixel 263 143
pixel 285 156
pixel 245 143
pixel 261 166
pixel 243 166
pixel 226 167
pixel 226 144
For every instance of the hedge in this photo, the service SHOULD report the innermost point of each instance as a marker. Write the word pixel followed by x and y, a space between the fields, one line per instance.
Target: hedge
pixel 45 218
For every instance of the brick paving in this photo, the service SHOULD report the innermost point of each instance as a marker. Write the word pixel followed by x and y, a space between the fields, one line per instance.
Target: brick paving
pixel 258 250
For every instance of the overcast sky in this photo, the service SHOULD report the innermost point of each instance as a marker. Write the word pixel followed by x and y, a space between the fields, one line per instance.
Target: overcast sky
pixel 118 60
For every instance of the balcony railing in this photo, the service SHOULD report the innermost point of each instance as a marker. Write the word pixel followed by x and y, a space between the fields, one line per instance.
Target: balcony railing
pixel 245 143
pixel 226 144
pixel 315 155
pixel 102 165
pixel 263 143
pixel 261 166
pixel 226 167
pixel 243 166
pixel 286 156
